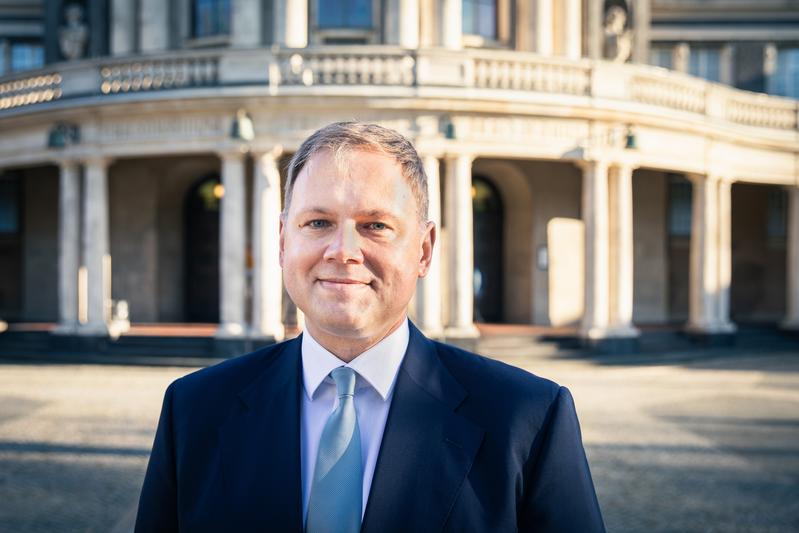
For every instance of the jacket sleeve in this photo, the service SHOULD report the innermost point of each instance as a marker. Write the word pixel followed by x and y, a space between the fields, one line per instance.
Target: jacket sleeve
pixel 158 500
pixel 558 490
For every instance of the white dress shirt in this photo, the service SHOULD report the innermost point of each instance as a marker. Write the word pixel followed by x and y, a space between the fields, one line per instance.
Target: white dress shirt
pixel 376 373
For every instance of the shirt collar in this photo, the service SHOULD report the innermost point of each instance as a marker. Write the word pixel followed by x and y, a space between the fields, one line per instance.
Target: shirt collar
pixel 378 365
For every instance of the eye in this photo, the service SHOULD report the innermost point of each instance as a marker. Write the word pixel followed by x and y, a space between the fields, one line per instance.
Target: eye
pixel 377 226
pixel 318 224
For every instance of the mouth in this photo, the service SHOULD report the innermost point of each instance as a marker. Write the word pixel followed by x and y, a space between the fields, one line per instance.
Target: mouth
pixel 342 283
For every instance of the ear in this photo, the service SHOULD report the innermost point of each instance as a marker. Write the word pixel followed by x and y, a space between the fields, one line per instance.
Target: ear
pixel 282 237
pixel 428 242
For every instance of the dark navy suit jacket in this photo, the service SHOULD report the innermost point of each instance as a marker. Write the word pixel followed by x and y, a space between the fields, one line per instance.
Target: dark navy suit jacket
pixel 470 444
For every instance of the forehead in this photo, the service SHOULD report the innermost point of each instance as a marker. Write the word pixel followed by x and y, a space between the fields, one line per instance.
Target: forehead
pixel 357 173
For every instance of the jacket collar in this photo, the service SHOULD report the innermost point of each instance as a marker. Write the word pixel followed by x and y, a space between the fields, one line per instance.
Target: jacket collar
pixel 425 456
pixel 427 448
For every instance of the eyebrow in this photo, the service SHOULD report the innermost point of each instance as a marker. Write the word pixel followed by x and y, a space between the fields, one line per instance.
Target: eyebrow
pixel 374 213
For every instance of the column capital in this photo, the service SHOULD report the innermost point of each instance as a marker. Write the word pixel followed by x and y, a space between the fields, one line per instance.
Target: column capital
pixel 273 152
pixel 235 151
pixel 97 160
pixel 453 156
pixel 589 165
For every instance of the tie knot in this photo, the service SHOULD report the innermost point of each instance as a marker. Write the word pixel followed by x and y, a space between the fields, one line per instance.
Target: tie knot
pixel 345 381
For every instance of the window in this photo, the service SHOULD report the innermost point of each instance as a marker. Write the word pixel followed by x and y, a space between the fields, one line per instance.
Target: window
pixel 679 207
pixel 705 63
pixel 660 56
pixel 211 17
pixel 784 81
pixel 777 206
pixel 480 18
pixel 344 14
pixel 26 56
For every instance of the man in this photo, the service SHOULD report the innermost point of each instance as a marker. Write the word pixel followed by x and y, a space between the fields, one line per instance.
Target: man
pixel 362 423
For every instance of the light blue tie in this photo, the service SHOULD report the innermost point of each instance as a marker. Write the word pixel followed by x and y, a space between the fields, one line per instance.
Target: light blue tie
pixel 336 492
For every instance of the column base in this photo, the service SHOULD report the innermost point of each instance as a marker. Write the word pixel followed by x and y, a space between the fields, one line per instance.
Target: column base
pixel 95 329
pixel 65 328
pixel 715 334
pixel 229 330
pixel 711 328
pixel 610 339
pixel 274 334
pixel 433 332
pixel 462 332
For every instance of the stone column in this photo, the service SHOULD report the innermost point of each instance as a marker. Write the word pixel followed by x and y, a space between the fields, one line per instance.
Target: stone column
pixel 572 30
pixel 409 23
pixel 792 272
pixel 621 251
pixel 245 23
pixel 460 247
pixel 291 23
pixel 153 25
pixel 428 291
pixel 267 297
pixel 68 246
pixel 703 265
pixel 452 24
pixel 544 17
pixel 594 29
pixel 95 245
pixel 595 219
pixel 642 14
pixel 123 27
pixel 724 191
pixel 231 247
pixel 710 257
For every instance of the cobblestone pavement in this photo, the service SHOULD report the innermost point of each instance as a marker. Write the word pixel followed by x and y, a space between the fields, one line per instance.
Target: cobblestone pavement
pixel 707 444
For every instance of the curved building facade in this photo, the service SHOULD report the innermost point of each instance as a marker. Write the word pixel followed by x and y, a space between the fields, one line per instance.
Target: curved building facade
pixel 598 165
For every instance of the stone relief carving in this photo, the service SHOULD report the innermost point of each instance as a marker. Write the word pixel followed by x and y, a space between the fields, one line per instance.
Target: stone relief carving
pixel 74 34
pixel 618 37
pixel 163 128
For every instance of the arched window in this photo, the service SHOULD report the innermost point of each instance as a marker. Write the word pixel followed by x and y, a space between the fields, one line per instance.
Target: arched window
pixel 210 18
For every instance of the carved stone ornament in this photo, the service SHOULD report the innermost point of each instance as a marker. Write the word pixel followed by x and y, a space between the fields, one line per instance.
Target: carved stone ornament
pixel 618 38
pixel 73 35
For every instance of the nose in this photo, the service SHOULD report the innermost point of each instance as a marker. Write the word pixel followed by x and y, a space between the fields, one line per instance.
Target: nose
pixel 345 245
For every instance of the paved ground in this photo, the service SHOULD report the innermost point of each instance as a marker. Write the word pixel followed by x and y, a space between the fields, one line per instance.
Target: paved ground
pixel 701 444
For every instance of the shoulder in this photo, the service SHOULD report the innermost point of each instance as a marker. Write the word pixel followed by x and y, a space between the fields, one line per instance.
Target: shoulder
pixel 497 392
pixel 477 372
pixel 228 378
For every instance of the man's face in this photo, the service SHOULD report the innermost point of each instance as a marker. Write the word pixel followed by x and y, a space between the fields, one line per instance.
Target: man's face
pixel 352 246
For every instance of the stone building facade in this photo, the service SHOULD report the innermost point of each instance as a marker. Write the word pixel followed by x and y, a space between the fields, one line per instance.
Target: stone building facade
pixel 580 169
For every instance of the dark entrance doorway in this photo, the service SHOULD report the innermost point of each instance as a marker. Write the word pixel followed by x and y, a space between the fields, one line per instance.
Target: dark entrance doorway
pixel 10 247
pixel 202 250
pixel 488 250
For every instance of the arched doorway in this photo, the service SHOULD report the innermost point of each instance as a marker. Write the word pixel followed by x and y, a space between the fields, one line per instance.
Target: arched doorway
pixel 202 250
pixel 488 251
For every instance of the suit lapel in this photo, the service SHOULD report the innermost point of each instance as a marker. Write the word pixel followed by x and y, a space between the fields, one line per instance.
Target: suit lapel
pixel 260 446
pixel 427 448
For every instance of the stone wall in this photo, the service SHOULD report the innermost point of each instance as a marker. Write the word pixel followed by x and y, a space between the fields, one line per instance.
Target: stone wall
pixel 650 263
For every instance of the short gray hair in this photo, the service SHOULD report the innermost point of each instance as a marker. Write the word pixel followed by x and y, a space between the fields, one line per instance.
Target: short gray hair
pixel 343 137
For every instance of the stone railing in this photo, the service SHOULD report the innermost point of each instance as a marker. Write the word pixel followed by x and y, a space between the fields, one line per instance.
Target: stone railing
pixel 156 74
pixel 377 69
pixel 25 91
pixel 667 89
pixel 530 73
pixel 342 67
pixel 761 110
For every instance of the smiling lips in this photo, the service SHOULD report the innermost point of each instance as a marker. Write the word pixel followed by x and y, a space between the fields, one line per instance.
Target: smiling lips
pixel 341 283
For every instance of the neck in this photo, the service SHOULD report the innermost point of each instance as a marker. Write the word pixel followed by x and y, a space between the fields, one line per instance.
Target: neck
pixel 348 348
